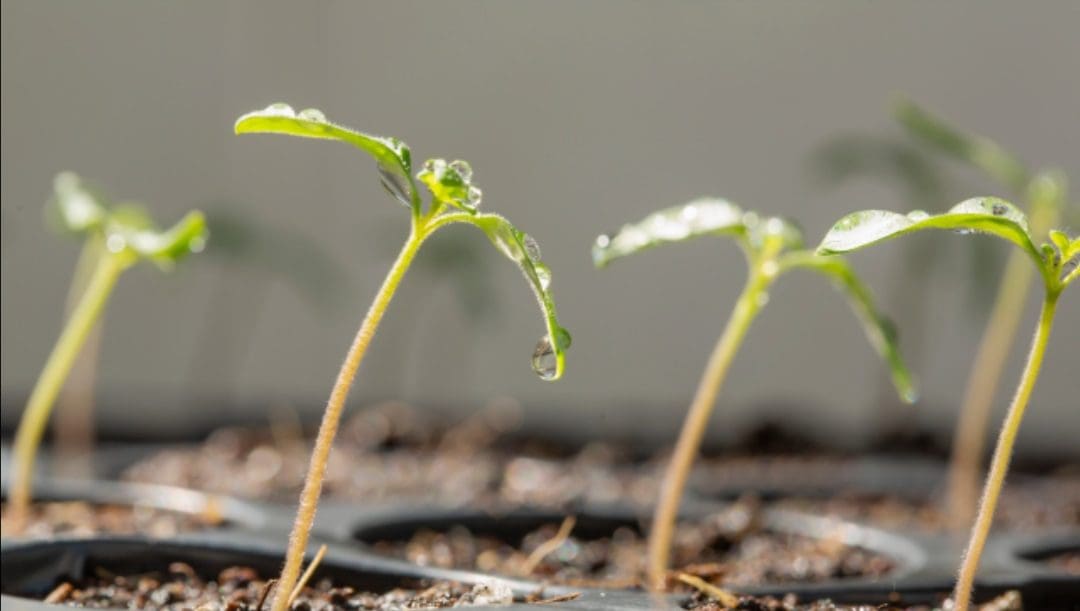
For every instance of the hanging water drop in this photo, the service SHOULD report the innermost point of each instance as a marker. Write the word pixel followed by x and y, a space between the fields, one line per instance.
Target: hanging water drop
pixel 543 274
pixel 544 361
pixel 532 247
pixel 312 114
pixel 391 181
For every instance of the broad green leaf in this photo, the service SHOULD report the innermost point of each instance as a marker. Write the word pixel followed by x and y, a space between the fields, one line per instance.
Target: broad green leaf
pixel 77 209
pixel 705 216
pixel 978 215
pixel 392 155
pixel 549 356
pixel 451 183
pixel 878 328
pixel 980 152
pixel 129 232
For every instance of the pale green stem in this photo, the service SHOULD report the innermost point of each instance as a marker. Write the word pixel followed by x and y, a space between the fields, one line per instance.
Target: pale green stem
pixel 663 526
pixel 999 465
pixel 36 416
pixel 969 438
pixel 309 496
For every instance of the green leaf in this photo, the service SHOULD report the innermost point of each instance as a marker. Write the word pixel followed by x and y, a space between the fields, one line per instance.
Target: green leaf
pixel 978 151
pixel 1061 241
pixel 549 356
pixel 978 215
pixel 451 183
pixel 77 208
pixel 132 232
pixel 392 155
pixel 706 216
pixel 878 328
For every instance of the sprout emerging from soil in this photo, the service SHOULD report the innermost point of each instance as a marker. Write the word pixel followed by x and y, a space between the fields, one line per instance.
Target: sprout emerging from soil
pixel 1044 194
pixel 454 199
pixel 1057 263
pixel 772 246
pixel 117 237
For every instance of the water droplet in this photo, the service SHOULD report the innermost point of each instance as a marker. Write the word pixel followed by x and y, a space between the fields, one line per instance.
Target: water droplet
pixel 532 248
pixel 312 114
pixel 391 181
pixel 115 243
pixel 603 240
pixel 463 169
pixel 762 299
pixel 544 362
pixel 473 197
pixel 918 215
pixel 197 244
pixel 998 209
pixel 543 273
pixel 964 231
pixel 280 110
pixel 770 268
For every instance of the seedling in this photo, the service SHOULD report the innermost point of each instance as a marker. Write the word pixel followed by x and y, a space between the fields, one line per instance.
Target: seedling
pixel 1044 193
pixel 1058 263
pixel 454 199
pixel 128 236
pixel 772 246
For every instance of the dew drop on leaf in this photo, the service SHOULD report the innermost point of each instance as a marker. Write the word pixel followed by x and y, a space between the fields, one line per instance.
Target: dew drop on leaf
pixel 280 110
pixel 918 215
pixel 544 362
pixel 474 197
pixel 115 243
pixel 463 169
pixel 603 240
pixel 391 181
pixel 312 114
pixel 543 273
pixel 532 247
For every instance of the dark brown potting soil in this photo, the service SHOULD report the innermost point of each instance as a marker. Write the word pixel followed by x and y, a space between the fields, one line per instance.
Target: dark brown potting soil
pixel 392 453
pixel 1010 601
pixel 82 519
pixel 243 589
pixel 727 548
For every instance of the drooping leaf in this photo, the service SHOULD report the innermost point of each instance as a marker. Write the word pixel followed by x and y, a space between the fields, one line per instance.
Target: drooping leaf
pixel 391 155
pixel 878 328
pixel 978 215
pixel 451 183
pixel 978 151
pixel 549 356
pixel 705 216
pixel 77 209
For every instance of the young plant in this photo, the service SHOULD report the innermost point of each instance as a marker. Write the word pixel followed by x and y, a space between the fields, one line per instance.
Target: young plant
pixel 1058 264
pixel 454 199
pixel 772 246
pixel 1045 194
pixel 126 236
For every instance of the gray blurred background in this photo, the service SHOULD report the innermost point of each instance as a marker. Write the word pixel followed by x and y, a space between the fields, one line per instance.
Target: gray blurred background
pixel 576 117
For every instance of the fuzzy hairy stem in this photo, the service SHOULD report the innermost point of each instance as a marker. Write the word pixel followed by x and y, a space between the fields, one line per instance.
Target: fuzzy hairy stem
pixel 36 415
pixel 999 465
pixel 309 496
pixel 697 419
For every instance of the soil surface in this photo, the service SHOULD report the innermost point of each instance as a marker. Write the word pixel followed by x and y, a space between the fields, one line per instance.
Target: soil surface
pixel 82 519
pixel 393 453
pixel 241 588
pixel 729 548
pixel 1010 601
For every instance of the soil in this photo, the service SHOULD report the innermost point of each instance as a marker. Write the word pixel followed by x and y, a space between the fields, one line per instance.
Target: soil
pixel 241 588
pixel 728 548
pixel 82 519
pixel 392 453
pixel 1010 601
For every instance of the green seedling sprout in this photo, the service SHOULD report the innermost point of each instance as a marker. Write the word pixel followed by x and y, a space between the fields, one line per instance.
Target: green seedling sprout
pixel 772 246
pixel 454 199
pixel 1057 263
pixel 1045 194
pixel 126 235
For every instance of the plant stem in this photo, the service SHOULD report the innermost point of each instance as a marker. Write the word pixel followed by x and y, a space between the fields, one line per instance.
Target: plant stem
pixel 969 439
pixel 748 305
pixel 999 465
pixel 36 416
pixel 309 497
